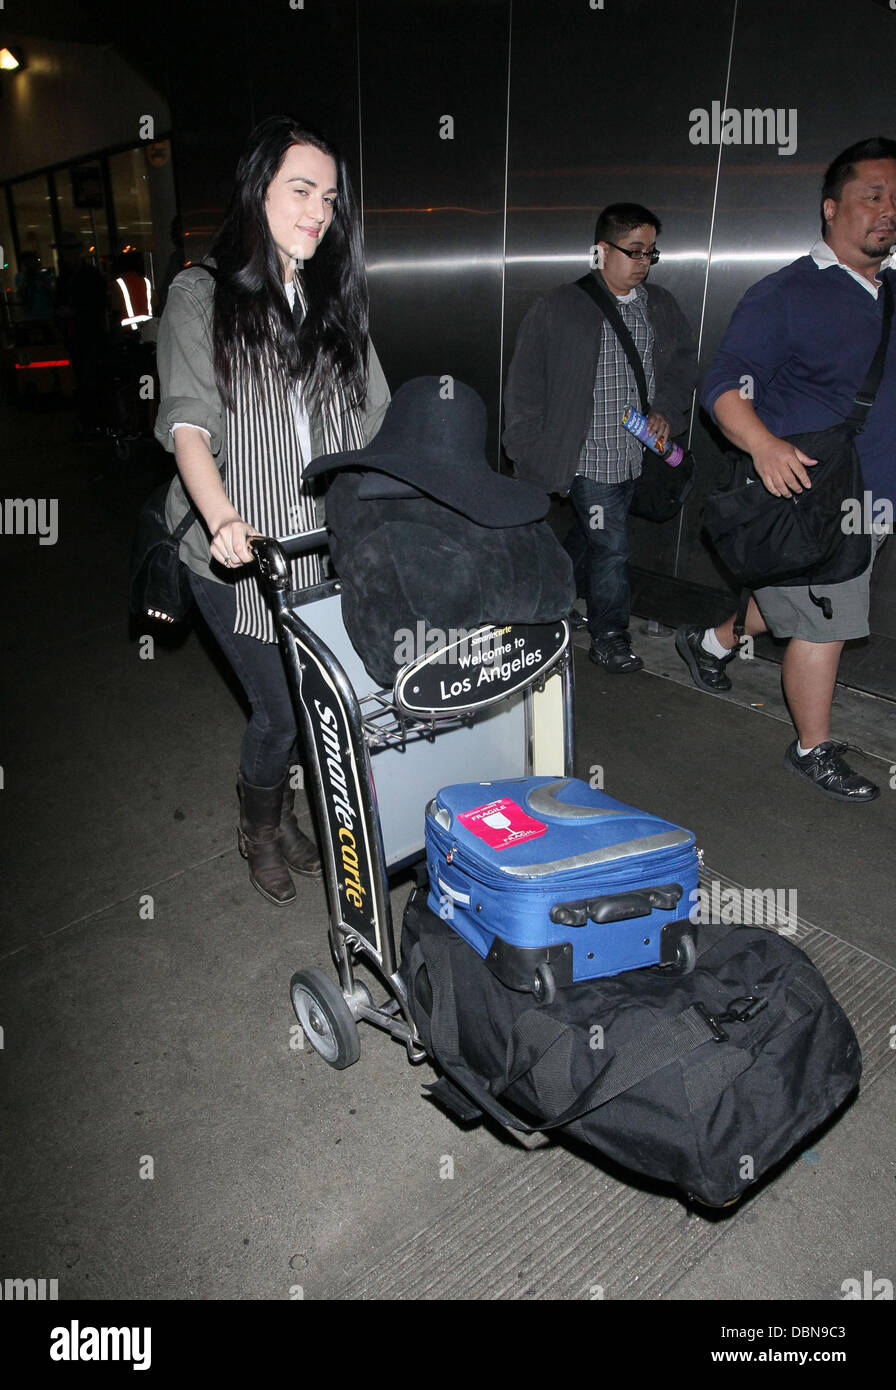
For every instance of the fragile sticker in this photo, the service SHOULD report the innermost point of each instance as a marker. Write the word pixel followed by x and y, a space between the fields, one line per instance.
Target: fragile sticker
pixel 502 823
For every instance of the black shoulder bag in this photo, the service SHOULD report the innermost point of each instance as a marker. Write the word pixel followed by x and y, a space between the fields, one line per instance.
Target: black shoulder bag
pixel 159 586
pixel 799 540
pixel 661 489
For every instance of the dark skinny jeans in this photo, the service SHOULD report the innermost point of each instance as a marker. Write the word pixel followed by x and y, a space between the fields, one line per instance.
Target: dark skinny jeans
pixel 270 735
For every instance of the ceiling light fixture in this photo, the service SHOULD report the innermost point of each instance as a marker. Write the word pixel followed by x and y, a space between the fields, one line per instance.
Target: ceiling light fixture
pixel 12 60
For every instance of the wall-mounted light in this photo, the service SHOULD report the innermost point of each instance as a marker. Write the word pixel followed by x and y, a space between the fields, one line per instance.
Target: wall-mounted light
pixel 12 60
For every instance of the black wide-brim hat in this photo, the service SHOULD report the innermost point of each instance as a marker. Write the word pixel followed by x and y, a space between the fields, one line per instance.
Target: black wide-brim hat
pixel 435 443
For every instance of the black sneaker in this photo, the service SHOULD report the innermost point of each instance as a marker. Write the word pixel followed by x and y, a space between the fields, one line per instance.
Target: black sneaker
pixel 825 767
pixel 708 670
pixel 614 652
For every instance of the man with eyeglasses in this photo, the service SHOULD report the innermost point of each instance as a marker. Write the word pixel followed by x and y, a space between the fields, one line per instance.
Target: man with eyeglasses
pixel 569 384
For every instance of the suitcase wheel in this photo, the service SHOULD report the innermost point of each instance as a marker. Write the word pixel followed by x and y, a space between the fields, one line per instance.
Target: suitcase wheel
pixel 544 986
pixel 326 1018
pixel 685 956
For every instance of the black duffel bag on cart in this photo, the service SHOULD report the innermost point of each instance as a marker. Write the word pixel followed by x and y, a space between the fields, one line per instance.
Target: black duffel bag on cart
pixel 704 1080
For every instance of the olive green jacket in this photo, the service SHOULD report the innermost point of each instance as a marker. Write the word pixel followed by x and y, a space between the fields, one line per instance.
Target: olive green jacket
pixel 189 395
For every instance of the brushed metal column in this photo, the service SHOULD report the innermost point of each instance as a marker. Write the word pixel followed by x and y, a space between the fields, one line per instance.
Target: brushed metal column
pixel 599 105
pixel 433 81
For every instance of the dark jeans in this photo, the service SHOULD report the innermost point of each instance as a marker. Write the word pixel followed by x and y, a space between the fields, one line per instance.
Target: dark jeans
pixel 268 742
pixel 598 546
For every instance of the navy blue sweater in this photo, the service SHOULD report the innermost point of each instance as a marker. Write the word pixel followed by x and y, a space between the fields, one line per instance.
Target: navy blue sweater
pixel 806 336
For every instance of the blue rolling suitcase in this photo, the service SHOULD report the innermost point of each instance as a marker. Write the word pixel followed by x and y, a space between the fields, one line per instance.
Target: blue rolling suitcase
pixel 551 881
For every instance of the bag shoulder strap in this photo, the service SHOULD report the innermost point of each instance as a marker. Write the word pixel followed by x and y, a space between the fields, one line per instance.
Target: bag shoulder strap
pixel 864 397
pixel 184 526
pixel 154 508
pixel 534 1035
pixel 608 307
pixel 667 1041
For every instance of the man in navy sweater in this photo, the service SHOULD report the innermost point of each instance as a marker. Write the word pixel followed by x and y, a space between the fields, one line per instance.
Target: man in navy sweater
pixel 797 349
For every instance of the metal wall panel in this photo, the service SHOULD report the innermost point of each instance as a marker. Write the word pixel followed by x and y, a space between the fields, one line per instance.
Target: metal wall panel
pixel 830 75
pixel 434 206
pixel 599 114
pixel 225 68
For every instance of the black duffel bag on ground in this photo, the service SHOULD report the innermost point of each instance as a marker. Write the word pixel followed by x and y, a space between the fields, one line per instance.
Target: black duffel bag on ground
pixel 704 1080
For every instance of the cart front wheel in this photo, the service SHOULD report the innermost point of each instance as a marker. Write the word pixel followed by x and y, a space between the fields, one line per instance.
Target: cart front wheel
pixel 326 1018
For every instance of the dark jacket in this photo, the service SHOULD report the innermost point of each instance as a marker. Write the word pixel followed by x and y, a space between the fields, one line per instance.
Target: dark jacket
pixel 190 396
pixel 549 397
pixel 406 561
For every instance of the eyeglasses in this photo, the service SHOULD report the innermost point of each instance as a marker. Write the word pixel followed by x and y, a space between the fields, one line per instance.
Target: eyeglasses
pixel 651 256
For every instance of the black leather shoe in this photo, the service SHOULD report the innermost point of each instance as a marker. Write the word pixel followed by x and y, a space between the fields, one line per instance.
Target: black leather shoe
pixel 614 652
pixel 708 670
pixel 826 769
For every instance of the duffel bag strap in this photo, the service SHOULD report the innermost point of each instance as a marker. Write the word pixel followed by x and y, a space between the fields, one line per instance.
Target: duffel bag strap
pixel 534 1035
pixel 439 1031
pixel 667 1041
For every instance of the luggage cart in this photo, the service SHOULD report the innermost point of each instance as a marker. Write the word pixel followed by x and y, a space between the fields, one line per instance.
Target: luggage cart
pixel 488 704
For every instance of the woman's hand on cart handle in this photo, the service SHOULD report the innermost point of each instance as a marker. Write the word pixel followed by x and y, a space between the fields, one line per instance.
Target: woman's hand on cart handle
pixel 202 481
pixel 229 543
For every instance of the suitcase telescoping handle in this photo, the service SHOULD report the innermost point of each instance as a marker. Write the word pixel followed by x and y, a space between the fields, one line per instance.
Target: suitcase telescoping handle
pixel 617 907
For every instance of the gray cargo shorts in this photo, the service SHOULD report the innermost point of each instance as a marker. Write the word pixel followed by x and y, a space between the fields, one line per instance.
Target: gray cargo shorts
pixel 789 612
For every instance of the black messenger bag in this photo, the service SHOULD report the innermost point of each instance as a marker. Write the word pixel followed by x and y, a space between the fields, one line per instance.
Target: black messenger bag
pixel 704 1080
pixel 763 539
pixel 799 540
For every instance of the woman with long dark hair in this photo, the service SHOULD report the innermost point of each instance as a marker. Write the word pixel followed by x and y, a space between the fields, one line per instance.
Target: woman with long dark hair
pixel 265 362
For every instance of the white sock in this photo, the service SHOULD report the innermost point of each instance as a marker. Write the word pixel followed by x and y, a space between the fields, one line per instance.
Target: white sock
pixel 803 751
pixel 711 644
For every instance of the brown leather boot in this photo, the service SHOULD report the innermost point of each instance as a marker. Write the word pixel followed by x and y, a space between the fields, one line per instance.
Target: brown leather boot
pixel 259 841
pixel 300 853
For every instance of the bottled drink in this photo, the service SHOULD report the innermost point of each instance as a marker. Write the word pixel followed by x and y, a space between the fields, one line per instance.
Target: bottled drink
pixel 636 424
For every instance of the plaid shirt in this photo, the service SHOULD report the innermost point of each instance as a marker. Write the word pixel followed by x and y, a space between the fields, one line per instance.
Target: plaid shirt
pixel 610 454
